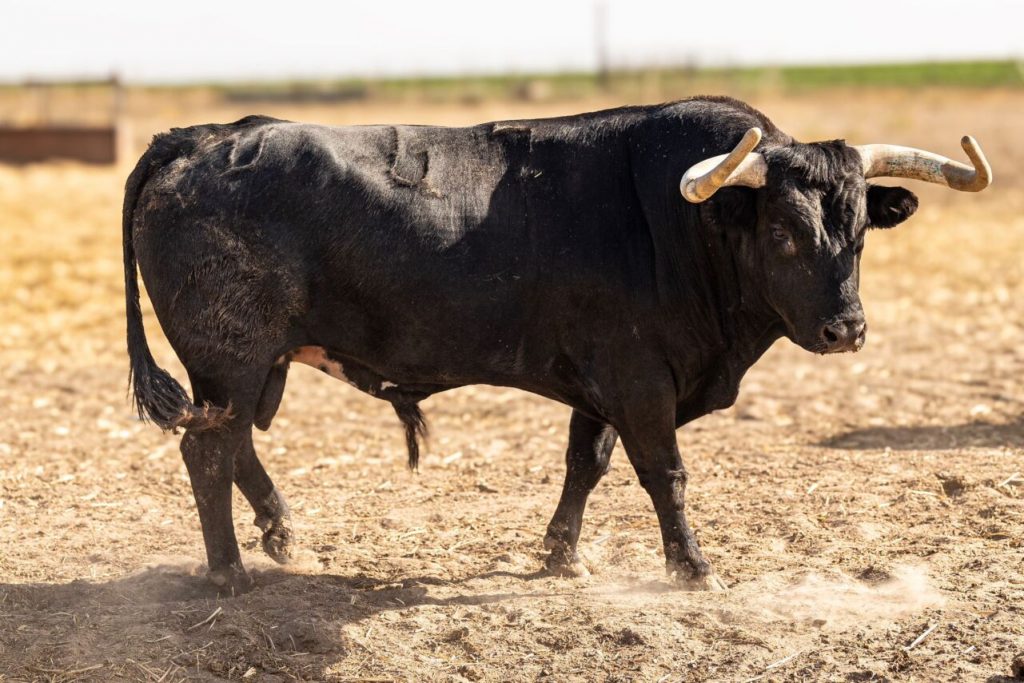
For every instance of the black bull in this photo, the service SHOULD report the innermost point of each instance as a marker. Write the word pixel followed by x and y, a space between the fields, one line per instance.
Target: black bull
pixel 554 256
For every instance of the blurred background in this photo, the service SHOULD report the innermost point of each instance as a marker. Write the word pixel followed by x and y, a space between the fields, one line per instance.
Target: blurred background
pixel 93 81
pixel 825 463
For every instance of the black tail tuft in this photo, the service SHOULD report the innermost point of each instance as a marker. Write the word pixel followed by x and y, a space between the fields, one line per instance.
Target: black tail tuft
pixel 415 428
pixel 160 399
pixel 157 396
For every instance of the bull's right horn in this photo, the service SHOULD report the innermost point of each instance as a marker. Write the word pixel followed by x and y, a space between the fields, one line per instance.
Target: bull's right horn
pixel 893 161
pixel 738 167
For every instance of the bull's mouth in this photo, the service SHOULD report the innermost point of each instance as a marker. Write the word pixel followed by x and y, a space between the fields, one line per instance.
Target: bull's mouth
pixel 851 347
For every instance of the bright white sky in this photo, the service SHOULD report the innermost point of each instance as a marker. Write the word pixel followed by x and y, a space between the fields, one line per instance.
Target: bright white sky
pixel 182 40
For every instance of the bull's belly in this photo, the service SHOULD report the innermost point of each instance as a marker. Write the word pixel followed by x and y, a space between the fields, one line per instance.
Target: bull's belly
pixel 357 375
pixel 396 389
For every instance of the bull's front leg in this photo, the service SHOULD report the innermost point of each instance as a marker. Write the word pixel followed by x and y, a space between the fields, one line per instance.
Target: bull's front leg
pixel 586 461
pixel 650 444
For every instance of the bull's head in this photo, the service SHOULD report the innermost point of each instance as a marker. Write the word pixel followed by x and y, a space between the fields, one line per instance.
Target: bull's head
pixel 811 219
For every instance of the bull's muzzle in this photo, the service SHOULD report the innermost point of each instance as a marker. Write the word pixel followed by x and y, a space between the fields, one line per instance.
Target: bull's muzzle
pixel 842 335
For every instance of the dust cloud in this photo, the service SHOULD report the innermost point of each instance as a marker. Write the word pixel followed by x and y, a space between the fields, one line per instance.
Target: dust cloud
pixel 832 601
pixel 839 601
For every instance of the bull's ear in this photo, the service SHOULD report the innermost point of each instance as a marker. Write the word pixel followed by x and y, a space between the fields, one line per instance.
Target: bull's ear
pixel 889 206
pixel 733 206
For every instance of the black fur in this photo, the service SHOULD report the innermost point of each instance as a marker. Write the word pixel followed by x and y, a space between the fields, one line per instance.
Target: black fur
pixel 157 396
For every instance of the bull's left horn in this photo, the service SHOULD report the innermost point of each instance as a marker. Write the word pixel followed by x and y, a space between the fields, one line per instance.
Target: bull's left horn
pixel 738 167
pixel 893 161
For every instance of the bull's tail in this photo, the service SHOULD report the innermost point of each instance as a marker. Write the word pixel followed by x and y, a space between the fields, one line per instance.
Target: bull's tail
pixel 415 427
pixel 157 396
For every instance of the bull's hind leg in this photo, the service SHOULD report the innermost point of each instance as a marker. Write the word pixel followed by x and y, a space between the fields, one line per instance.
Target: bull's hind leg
pixel 272 515
pixel 210 456
pixel 586 461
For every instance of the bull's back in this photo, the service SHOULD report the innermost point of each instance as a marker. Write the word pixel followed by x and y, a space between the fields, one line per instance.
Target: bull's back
pixel 264 231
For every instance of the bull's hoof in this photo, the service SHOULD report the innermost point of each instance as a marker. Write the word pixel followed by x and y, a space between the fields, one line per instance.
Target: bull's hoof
pixel 563 560
pixel 231 580
pixel 277 531
pixel 274 520
pixel 573 569
pixel 686 580
pixel 278 542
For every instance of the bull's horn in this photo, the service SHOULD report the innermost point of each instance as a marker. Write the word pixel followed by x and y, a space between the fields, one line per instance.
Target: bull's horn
pixel 894 161
pixel 738 167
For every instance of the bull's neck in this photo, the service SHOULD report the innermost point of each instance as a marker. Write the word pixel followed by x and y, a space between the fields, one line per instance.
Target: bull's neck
pixel 720 309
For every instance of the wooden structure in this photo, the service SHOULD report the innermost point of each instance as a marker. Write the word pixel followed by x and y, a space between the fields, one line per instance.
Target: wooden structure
pixel 47 140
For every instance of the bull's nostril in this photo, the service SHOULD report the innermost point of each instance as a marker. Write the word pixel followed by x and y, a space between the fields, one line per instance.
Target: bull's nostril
pixel 842 335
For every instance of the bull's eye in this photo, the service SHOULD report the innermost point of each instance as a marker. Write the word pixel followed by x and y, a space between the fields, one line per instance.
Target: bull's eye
pixel 783 241
pixel 860 246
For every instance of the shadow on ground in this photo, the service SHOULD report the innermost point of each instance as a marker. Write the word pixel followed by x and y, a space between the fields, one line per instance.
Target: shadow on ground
pixel 166 620
pixel 927 438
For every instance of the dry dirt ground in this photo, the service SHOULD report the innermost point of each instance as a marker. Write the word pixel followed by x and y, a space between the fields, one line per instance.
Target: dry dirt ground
pixel 854 504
